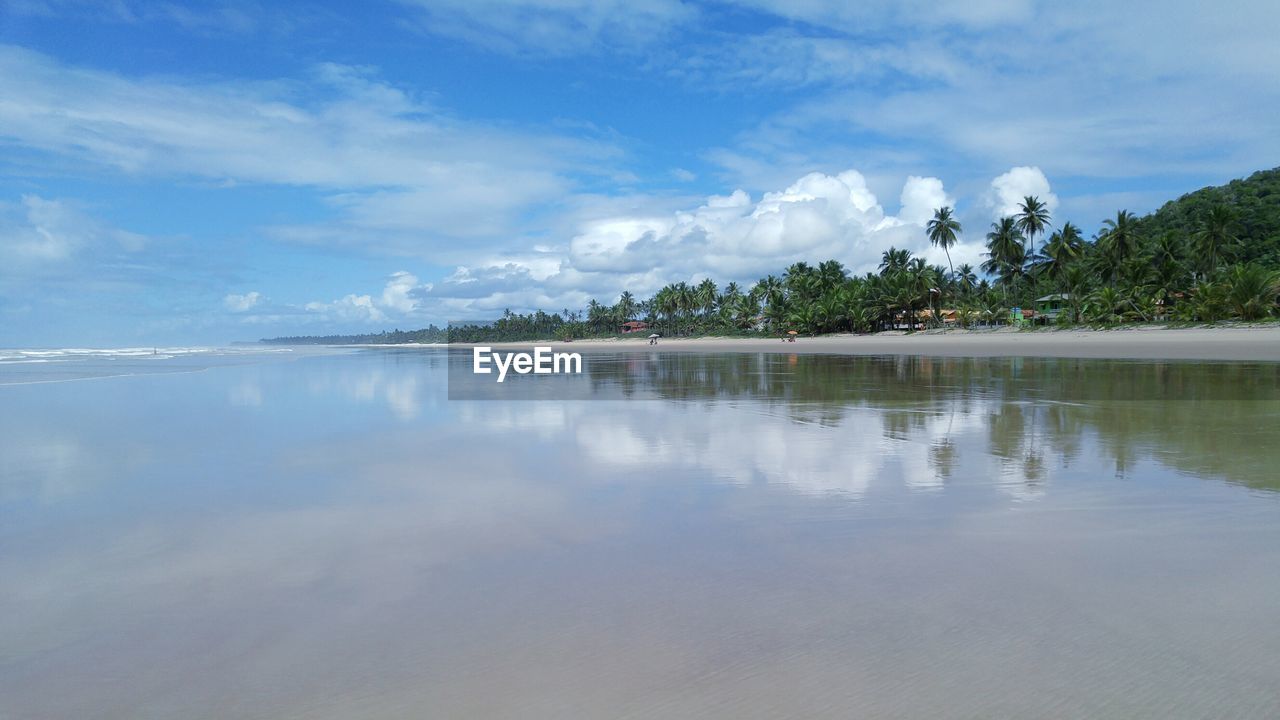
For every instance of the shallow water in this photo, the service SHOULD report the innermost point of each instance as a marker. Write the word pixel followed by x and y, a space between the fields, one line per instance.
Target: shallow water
pixel 328 535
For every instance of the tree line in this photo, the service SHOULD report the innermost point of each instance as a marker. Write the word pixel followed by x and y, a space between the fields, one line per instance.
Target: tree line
pixel 1198 259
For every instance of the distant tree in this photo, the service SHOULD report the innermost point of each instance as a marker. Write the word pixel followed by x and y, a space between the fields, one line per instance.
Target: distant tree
pixel 626 305
pixel 1117 243
pixel 1032 219
pixel 1215 240
pixel 1006 252
pixel 943 230
pixel 893 260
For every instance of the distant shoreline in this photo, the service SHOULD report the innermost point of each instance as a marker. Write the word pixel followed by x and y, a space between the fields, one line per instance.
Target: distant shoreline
pixel 1257 343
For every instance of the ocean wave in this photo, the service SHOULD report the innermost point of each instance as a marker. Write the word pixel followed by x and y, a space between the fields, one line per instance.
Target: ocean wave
pixel 21 355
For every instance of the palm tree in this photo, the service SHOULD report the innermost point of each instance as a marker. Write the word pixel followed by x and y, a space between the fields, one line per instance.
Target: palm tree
pixel 1216 238
pixel 745 310
pixel 686 299
pixel 595 314
pixel 901 297
pixel 1105 305
pixel 668 304
pixel 626 306
pixel 1006 250
pixel 1168 274
pixel 966 278
pixel 1032 218
pixel 1063 248
pixel 706 295
pixel 1209 301
pixel 831 274
pixel 942 230
pixel 770 290
pixel 1075 280
pixel 893 260
pixel 1252 291
pixel 1118 243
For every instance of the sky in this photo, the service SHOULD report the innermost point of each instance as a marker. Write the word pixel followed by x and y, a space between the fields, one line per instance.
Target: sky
pixel 200 173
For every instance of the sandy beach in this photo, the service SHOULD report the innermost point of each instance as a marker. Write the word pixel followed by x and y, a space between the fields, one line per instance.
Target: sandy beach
pixel 1136 343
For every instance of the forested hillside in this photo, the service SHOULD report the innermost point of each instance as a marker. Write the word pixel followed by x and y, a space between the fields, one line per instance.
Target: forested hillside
pixel 1255 201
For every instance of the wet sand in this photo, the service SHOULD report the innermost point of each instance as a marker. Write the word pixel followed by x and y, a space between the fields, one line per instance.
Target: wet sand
pixel 1140 343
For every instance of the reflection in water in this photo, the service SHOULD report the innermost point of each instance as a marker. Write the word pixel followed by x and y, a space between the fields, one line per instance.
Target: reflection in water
pixel 713 536
pixel 1030 414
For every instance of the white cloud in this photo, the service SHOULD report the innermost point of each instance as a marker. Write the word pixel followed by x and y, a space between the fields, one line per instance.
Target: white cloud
pixel 920 198
pixel 398 168
pixel 39 230
pixel 396 293
pixel 399 300
pixel 553 27
pixel 349 309
pixel 1010 189
pixel 241 303
pixel 727 237
pixel 1065 87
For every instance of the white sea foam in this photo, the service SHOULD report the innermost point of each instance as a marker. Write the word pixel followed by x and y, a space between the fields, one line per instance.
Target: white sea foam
pixel 21 355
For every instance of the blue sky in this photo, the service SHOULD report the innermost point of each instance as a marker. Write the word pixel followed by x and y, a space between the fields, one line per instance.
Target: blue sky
pixel 205 172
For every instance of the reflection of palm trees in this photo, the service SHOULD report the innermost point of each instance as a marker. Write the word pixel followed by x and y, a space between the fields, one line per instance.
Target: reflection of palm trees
pixel 1037 415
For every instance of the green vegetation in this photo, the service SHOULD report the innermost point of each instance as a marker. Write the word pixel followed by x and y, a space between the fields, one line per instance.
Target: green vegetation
pixel 1211 255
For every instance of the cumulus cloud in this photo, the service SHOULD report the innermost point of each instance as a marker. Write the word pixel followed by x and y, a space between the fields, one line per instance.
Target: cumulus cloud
pixel 920 198
pixel 727 237
pixel 732 237
pixel 241 303
pixel 818 216
pixel 397 294
pixel 349 309
pixel 1009 190
pixel 399 299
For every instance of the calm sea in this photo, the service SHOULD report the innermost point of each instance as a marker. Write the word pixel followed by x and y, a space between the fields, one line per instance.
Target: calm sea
pixel 203 533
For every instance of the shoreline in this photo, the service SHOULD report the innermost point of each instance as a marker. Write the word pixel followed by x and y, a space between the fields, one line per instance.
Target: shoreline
pixel 1132 343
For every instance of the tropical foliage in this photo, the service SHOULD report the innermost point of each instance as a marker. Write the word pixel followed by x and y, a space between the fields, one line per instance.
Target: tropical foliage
pixel 1211 255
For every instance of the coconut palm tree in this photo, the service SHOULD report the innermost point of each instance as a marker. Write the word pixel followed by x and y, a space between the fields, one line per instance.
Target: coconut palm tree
pixel 831 274
pixel 705 296
pixel 626 306
pixel 1032 219
pixel 1252 291
pixel 731 293
pixel 1107 305
pixel 1215 240
pixel 966 278
pixel 893 260
pixel 942 230
pixel 686 301
pixel 1168 275
pixel 1063 248
pixel 745 310
pixel 1209 301
pixel 1006 251
pixel 1075 283
pixel 1117 243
